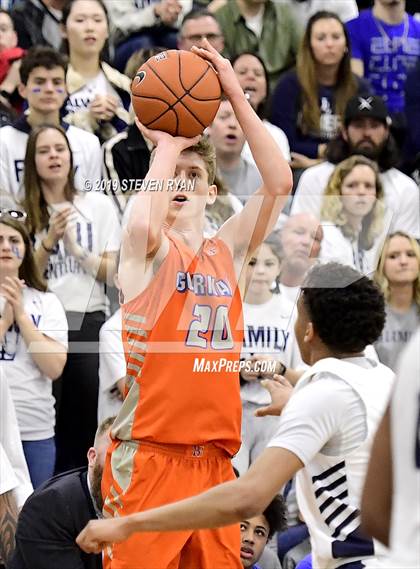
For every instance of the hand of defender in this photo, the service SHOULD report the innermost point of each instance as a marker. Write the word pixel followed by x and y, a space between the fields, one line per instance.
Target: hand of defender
pixel 158 137
pixel 280 392
pixel 99 534
pixel 227 76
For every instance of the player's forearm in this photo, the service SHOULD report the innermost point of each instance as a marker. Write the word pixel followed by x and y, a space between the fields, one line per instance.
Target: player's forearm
pixel 150 207
pixel 274 169
pixel 8 521
pixel 224 505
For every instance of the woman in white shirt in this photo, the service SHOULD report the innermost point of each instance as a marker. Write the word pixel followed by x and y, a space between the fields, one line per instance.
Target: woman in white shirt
pixel 398 275
pixel 354 219
pixel 33 336
pixel 253 78
pixel 77 236
pixel 268 339
pixel 99 95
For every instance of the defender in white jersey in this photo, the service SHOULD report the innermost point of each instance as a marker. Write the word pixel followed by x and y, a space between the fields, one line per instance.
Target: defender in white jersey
pixel 391 497
pixel 324 433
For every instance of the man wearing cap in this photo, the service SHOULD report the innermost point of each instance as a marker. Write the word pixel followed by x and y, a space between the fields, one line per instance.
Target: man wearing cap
pixel 365 131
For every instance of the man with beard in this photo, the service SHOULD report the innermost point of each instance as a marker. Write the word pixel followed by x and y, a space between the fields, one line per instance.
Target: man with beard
pixel 300 240
pixel 58 510
pixel 365 131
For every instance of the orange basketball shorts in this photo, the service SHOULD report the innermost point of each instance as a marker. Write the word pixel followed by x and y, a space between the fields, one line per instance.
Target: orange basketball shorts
pixel 139 476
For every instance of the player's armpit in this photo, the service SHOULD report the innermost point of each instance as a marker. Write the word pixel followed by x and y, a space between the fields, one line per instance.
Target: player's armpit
pixel 8 521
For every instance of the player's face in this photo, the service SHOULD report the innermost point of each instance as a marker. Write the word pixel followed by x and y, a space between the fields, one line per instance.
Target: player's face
pixel 366 136
pixel 86 27
pixel 254 537
pixel 251 77
pixel 401 264
pixel 194 31
pixel 225 132
pixel 45 90
pixel 52 156
pixel 328 41
pixel 8 37
pixel 12 250
pixel 263 269
pixel 191 191
pixel 358 191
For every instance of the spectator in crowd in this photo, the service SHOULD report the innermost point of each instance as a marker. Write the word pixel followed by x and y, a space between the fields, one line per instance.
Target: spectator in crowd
pixel 10 58
pixel 365 131
pixel 43 86
pixel 241 177
pixel 353 215
pixel 126 155
pixel 15 484
pixel 199 24
pixel 268 337
pixel 266 28
pixel 34 344
pixel 398 275
pixel 52 517
pixel 257 531
pixel 302 10
pixel 385 45
pixel 392 484
pixel 38 22
pixel 412 116
pixel 325 431
pixel 300 238
pixel 76 242
pixel 225 205
pixel 253 78
pixel 141 24
pixel 309 101
pixel 99 96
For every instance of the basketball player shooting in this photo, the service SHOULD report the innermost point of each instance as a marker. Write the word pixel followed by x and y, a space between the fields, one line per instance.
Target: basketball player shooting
pixel 179 427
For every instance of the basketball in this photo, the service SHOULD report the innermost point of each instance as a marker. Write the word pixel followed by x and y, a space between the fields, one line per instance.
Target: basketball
pixel 177 92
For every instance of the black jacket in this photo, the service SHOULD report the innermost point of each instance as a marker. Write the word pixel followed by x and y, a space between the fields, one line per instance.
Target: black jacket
pixel 49 523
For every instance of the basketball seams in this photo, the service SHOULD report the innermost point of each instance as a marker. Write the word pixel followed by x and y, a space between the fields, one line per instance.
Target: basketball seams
pixel 188 91
pixel 179 99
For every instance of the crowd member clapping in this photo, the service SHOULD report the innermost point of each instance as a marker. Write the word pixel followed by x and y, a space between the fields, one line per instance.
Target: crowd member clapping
pixel 353 215
pixel 398 275
pixel 308 102
pixel 34 344
pixel 76 241
pixel 99 95
pixel 253 78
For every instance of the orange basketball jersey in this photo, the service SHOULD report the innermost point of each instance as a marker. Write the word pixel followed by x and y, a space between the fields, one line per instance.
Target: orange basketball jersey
pixel 183 337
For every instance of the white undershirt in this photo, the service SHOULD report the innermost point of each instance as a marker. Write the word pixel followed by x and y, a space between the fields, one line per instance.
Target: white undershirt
pixel 255 23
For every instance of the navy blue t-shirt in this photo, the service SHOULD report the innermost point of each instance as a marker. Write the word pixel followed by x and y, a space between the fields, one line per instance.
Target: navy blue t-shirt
pixel 388 52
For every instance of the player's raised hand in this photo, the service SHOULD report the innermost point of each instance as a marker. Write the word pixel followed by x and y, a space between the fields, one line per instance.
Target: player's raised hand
pixel 99 534
pixel 222 65
pixel 280 392
pixel 158 137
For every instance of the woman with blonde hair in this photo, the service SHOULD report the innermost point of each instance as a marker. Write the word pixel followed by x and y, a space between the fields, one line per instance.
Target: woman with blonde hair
pixel 398 275
pixel 353 215
pixel 309 101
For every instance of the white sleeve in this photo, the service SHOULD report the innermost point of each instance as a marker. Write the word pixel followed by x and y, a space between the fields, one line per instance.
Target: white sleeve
pixel 346 10
pixel 94 172
pixel 308 195
pixel 5 169
pixel 14 473
pixel 325 416
pixel 54 321
pixel 108 226
pixel 407 217
pixel 112 365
